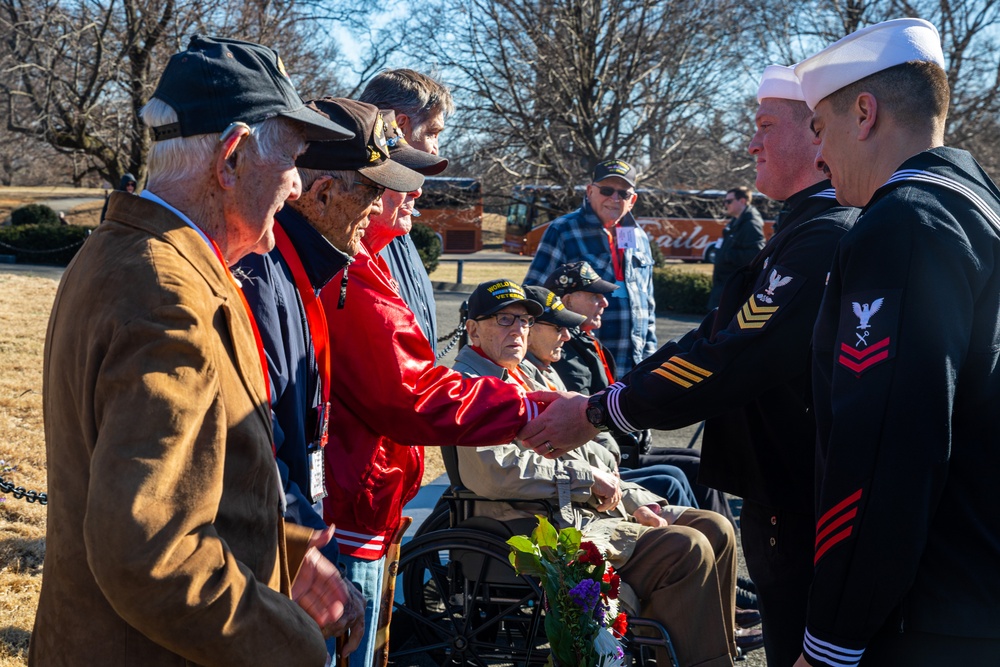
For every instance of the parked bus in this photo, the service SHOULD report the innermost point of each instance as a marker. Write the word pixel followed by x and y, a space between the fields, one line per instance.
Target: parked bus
pixel 685 224
pixel 453 208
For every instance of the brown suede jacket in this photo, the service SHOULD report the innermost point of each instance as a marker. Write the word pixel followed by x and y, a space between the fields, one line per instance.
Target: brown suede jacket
pixel 165 544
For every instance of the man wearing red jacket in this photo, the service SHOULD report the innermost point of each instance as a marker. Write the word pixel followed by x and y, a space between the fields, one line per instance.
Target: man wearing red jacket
pixel 388 399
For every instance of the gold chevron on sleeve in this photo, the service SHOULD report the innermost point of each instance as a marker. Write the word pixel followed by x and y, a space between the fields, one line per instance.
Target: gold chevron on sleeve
pixel 753 315
pixel 682 372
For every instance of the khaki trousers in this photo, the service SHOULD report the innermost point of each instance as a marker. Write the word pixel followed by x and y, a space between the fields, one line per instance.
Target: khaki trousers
pixel 685 577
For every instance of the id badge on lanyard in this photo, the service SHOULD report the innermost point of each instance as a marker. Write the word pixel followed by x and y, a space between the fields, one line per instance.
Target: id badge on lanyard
pixel 317 470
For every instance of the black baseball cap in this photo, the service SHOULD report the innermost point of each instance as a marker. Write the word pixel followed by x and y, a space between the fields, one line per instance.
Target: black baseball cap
pixel 577 277
pixel 219 81
pixel 553 310
pixel 367 153
pixel 402 152
pixel 619 168
pixel 494 295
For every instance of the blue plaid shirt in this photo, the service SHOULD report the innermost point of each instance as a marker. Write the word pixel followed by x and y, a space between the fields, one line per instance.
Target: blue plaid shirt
pixel 628 326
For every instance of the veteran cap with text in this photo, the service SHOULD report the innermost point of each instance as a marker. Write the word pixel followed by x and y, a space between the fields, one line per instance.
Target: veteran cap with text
pixel 865 52
pixel 577 277
pixel 553 310
pixel 367 153
pixel 218 81
pixel 494 295
pixel 619 168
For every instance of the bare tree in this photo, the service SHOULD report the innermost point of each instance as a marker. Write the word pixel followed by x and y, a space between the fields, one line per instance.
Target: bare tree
pixel 969 32
pixel 547 89
pixel 75 73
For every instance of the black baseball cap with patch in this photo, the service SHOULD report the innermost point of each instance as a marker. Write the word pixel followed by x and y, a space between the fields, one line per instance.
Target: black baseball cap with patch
pixel 619 168
pixel 553 310
pixel 405 154
pixel 367 153
pixel 495 295
pixel 577 277
pixel 217 82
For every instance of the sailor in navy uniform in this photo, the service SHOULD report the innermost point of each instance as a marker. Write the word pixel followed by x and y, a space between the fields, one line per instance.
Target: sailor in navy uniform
pixel 906 377
pixel 745 370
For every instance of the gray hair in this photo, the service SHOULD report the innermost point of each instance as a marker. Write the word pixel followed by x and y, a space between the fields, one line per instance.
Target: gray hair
pixel 176 161
pixel 310 176
pixel 406 91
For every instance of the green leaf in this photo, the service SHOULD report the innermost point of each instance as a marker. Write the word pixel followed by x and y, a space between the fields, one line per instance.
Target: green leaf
pixel 545 534
pixel 526 563
pixel 569 539
pixel 522 543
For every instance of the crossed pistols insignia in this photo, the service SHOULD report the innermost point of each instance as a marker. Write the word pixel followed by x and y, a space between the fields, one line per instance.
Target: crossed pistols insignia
pixel 767 298
pixel 866 338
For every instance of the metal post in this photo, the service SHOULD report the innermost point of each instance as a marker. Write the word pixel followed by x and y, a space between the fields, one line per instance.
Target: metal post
pixel 461 264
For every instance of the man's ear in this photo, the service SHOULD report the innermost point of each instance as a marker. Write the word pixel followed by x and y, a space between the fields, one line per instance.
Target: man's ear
pixel 322 190
pixel 405 126
pixel 228 158
pixel 866 112
pixel 472 328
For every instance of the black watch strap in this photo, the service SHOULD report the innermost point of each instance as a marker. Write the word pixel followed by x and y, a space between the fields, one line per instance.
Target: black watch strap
pixel 596 414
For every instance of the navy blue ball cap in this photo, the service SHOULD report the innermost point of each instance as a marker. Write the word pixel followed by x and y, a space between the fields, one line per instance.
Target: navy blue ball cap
pixel 553 310
pixel 577 277
pixel 217 82
pixel 495 295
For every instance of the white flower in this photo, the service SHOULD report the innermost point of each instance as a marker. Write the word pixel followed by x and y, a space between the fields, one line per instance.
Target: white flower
pixel 609 649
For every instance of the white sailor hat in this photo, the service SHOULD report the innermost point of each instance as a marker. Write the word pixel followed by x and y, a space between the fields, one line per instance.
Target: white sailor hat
pixel 866 52
pixel 779 81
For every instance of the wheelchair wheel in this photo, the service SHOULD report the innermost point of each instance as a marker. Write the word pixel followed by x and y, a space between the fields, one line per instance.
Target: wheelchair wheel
pixel 465 605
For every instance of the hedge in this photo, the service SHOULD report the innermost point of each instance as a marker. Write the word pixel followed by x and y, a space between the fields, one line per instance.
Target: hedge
pixel 43 244
pixel 428 245
pixel 680 290
pixel 34 214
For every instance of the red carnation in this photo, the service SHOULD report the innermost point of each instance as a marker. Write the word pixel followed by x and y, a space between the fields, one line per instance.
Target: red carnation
pixel 591 556
pixel 614 581
pixel 620 625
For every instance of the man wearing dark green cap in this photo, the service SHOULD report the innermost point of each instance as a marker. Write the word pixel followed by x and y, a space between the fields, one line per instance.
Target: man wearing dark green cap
pixel 165 543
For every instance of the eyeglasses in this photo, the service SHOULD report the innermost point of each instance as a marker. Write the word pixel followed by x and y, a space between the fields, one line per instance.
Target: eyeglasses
pixel 508 319
pixel 607 191
pixel 728 201
pixel 378 189
pixel 555 326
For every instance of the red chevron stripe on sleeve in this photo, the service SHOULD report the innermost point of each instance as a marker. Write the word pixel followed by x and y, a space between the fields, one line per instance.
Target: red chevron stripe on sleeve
pixel 843 512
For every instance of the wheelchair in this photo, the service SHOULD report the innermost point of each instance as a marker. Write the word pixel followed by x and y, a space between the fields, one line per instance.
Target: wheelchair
pixel 462 602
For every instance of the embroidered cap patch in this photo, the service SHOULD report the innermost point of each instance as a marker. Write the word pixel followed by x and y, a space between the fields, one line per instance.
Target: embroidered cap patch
pixel 868 329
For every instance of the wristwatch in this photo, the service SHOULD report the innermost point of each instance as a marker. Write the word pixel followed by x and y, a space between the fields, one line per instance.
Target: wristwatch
pixel 596 414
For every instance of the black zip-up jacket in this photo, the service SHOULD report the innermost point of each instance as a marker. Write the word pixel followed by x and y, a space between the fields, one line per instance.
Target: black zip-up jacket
pixel 746 368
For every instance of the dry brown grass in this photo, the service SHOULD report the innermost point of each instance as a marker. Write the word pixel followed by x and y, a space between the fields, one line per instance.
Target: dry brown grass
pixel 24 312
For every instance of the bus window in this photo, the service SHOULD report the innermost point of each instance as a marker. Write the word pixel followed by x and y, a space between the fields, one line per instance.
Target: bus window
pixel 453 208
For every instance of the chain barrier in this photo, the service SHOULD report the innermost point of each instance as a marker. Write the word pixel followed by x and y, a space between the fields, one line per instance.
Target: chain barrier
pixel 452 339
pixel 41 252
pixel 19 492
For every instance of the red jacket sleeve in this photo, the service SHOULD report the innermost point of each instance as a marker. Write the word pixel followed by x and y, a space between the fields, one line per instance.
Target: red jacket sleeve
pixel 383 371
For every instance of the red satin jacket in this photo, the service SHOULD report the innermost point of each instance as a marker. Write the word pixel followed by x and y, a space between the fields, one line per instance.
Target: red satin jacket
pixel 388 400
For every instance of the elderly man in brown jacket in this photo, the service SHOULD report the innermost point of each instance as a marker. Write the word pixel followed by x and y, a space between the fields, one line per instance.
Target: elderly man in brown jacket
pixel 165 543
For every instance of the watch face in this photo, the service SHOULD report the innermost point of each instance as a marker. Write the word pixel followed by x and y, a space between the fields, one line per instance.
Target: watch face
pixel 595 415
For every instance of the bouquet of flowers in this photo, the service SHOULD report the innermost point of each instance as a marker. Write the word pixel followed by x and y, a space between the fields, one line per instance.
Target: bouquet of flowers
pixel 582 620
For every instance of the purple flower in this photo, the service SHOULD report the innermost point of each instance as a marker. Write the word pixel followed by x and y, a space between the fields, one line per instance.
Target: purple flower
pixel 586 594
pixel 600 612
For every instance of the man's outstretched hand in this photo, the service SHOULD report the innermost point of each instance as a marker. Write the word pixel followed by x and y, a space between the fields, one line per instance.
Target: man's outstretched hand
pixel 561 427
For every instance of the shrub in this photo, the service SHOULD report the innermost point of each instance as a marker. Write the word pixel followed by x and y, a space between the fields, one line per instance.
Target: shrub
pixel 681 290
pixel 43 244
pixel 428 246
pixel 33 214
